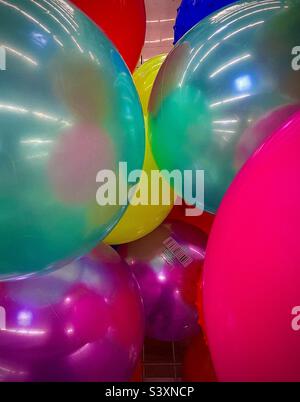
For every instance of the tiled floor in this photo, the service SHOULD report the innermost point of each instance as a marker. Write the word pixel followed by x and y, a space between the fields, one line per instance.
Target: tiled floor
pixel 163 361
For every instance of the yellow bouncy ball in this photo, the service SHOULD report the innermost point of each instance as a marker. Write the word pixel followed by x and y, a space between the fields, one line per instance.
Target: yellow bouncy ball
pixel 144 78
pixel 139 220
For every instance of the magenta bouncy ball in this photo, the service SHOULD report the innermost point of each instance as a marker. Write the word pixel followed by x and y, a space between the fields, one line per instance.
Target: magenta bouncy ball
pixel 83 322
pixel 252 268
pixel 168 264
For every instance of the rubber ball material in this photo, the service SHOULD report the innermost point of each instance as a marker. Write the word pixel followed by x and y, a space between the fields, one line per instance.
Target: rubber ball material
pixel 191 12
pixel 123 21
pixel 230 71
pixel 251 271
pixel 168 265
pixel 83 322
pixel 145 215
pixel 68 109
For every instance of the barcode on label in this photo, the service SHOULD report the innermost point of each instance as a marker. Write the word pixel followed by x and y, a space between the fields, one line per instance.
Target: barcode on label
pixel 177 251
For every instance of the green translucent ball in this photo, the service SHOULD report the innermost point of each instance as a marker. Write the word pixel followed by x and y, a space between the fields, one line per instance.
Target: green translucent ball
pixel 68 109
pixel 223 90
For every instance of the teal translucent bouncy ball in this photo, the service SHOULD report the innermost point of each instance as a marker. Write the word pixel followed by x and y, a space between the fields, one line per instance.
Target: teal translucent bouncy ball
pixel 222 91
pixel 68 109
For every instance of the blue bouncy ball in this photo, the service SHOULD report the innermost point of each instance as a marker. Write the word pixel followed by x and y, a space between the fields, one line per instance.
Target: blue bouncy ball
pixel 191 12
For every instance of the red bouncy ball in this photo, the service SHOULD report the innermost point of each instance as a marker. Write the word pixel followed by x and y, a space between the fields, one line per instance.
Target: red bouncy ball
pixel 197 365
pixel 203 221
pixel 123 21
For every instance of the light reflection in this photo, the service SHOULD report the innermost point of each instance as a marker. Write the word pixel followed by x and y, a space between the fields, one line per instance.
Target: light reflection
pixel 232 33
pixel 232 11
pixel 70 331
pixel 197 250
pixel 28 16
pixel 68 300
pixel 39 39
pixel 77 44
pixel 39 5
pixel 243 83
pixel 81 352
pixel 161 277
pixel 240 18
pixel 26 332
pixel 189 64
pixel 8 370
pixel 63 26
pixel 152 41
pixel 225 121
pixel 243 29
pixel 24 318
pixel 225 13
pixel 64 6
pixel 206 55
pixel 167 39
pixel 36 141
pixel 31 18
pixel 45 116
pixel 41 155
pixel 229 64
pixel 11 108
pixel 249 14
pixel 64 15
pixel 250 7
pixel 39 115
pixel 94 58
pixel 229 100
pixel 53 16
pixel 58 41
pixel 224 131
pixel 161 20
pixel 19 54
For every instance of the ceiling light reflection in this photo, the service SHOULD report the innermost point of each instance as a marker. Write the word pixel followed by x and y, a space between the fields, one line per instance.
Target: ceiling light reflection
pixel 63 15
pixel 229 64
pixel 249 7
pixel 225 121
pixel 229 100
pixel 160 20
pixel 26 332
pixel 243 29
pixel 243 83
pixel 38 114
